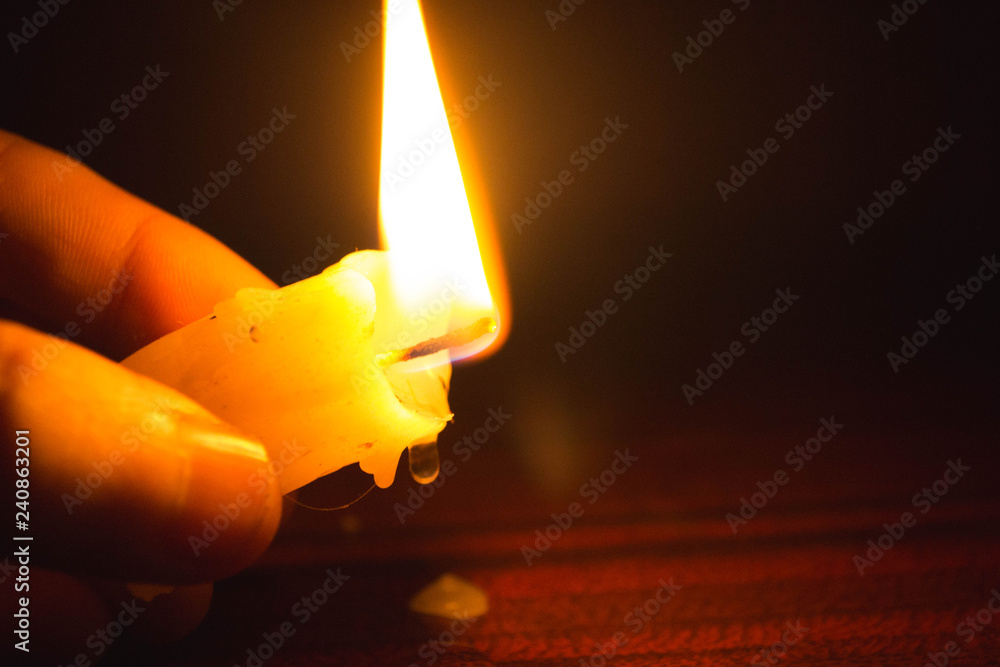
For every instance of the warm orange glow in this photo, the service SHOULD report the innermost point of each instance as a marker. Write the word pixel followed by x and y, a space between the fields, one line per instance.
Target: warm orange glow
pixel 424 213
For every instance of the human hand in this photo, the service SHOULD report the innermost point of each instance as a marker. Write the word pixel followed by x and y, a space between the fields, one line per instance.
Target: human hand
pixel 123 470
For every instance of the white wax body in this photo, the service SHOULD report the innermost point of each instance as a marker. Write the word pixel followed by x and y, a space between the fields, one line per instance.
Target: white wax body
pixel 295 367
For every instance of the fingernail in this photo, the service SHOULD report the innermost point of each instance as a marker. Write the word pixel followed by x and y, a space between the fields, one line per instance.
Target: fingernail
pixel 228 504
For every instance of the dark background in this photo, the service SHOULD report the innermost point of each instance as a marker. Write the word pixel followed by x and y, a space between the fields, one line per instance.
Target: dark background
pixel 654 185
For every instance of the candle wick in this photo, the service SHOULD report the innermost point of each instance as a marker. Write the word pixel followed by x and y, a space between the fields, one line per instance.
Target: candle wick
pixel 454 338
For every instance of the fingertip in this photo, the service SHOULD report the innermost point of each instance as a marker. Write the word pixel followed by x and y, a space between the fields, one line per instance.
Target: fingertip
pixel 78 621
pixel 231 502
pixel 63 613
pixel 132 479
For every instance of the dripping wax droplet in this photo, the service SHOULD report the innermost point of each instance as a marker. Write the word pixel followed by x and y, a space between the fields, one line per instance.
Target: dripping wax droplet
pixel 424 462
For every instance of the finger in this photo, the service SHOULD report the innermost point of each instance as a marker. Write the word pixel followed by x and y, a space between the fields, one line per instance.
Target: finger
pixel 75 622
pixel 128 478
pixel 62 612
pixel 83 254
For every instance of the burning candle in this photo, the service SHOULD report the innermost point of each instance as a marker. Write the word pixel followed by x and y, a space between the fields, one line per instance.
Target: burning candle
pixel 353 365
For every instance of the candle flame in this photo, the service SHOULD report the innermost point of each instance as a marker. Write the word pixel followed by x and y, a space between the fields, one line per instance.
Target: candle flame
pixel 425 220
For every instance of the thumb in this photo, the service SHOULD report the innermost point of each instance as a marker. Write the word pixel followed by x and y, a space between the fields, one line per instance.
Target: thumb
pixel 127 478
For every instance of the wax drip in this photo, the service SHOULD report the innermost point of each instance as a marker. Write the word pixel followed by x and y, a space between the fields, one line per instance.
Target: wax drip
pixel 424 462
